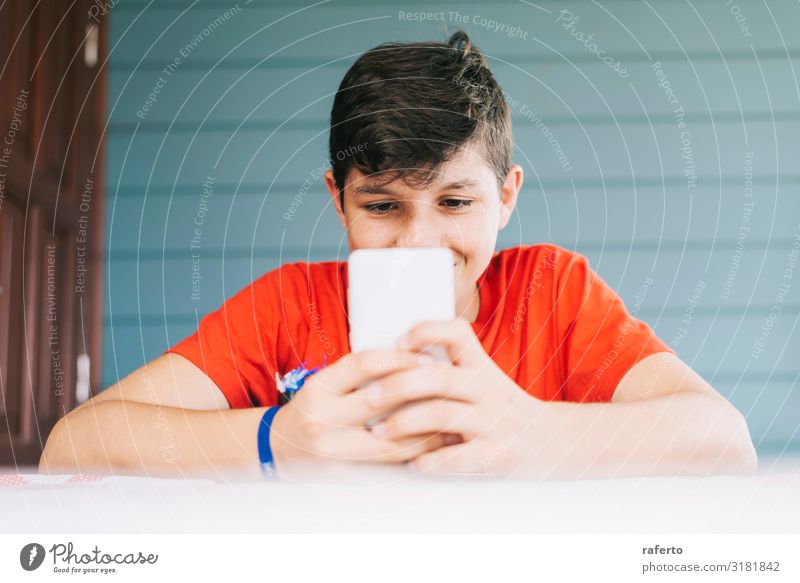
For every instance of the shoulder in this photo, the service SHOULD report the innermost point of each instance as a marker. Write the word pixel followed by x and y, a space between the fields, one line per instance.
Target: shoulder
pixel 539 261
pixel 298 275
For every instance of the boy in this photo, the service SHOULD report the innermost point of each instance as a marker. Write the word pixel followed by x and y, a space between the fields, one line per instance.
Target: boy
pixel 550 376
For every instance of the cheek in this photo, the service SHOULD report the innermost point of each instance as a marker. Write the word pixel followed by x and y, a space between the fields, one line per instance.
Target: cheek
pixel 478 233
pixel 362 233
pixel 478 241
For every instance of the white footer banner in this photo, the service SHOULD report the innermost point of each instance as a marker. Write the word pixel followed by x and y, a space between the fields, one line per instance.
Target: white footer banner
pixel 386 558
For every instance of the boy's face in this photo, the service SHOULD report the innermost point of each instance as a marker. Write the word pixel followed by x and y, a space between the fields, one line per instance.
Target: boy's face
pixel 462 209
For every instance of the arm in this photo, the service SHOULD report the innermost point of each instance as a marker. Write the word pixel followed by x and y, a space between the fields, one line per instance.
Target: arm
pixel 664 419
pixel 141 438
pixel 166 418
pixel 170 418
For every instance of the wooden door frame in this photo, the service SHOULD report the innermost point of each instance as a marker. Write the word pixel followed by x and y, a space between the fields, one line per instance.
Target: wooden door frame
pixel 40 218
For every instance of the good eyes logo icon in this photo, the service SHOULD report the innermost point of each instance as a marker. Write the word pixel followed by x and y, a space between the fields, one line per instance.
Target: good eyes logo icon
pixel 31 556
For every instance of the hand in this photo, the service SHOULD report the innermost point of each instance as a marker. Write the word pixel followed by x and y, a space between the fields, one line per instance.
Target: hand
pixel 470 396
pixel 326 420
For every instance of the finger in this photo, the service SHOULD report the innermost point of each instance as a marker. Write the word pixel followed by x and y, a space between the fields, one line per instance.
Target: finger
pixel 408 448
pixel 361 445
pixel 457 336
pixel 438 380
pixel 357 368
pixel 459 458
pixel 432 416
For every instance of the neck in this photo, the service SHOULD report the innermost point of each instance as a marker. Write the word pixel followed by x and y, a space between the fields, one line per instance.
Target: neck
pixel 469 307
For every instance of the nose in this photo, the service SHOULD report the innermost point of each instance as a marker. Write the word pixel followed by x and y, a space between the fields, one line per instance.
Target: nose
pixel 420 231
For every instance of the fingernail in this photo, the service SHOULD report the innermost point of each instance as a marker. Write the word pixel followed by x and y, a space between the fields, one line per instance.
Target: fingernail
pixel 424 359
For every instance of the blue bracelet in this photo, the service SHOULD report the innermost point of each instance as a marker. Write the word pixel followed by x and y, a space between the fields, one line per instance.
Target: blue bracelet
pixel 291 382
pixel 264 450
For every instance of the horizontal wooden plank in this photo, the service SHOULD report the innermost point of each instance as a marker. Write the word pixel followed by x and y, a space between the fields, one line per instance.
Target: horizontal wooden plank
pixel 124 343
pixel 625 30
pixel 653 280
pixel 128 347
pixel 640 218
pixel 558 93
pixel 770 405
pixel 722 183
pixel 152 289
pixel 771 409
pixel 284 156
pixel 138 5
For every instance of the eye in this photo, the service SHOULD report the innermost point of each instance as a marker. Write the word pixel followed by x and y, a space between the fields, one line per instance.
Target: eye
pixel 456 203
pixel 379 208
pixel 383 208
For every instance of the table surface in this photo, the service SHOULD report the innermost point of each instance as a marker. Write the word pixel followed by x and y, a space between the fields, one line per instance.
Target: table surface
pixel 390 500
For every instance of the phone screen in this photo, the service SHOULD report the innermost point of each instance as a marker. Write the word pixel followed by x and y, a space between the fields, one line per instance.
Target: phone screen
pixel 392 289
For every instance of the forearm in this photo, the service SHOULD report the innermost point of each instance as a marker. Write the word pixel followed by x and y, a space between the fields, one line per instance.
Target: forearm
pixel 685 433
pixel 131 437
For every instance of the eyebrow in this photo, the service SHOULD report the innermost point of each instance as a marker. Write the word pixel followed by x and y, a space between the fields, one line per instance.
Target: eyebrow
pixel 367 190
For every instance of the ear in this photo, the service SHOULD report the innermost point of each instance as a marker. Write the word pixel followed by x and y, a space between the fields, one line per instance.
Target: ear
pixel 508 194
pixel 333 190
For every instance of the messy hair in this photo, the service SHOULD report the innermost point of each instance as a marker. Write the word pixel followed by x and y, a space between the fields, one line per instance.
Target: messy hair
pixel 403 109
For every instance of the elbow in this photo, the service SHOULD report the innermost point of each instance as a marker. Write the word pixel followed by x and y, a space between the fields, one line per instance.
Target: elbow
pixel 734 453
pixel 47 461
pixel 744 460
pixel 738 459
pixel 748 460
pixel 73 442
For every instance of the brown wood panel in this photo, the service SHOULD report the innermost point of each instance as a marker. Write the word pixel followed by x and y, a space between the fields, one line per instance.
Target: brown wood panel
pixel 25 55
pixel 32 258
pixel 6 249
pixel 51 217
pixel 62 397
pixel 62 48
pixel 13 219
pixel 48 311
pixel 40 82
pixel 95 155
pixel 17 32
pixel 6 40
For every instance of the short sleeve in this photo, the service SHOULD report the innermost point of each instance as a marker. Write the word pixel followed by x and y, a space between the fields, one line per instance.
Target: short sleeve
pixel 236 345
pixel 599 339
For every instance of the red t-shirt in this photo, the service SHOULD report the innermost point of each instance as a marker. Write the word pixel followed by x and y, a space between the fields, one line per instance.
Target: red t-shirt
pixel 545 317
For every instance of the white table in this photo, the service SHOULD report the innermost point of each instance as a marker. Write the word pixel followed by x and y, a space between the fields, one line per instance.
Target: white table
pixel 389 500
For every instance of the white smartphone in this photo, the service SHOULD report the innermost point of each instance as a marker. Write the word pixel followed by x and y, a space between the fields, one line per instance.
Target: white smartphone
pixel 392 289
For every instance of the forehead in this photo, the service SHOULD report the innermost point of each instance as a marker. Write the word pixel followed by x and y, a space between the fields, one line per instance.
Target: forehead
pixel 466 170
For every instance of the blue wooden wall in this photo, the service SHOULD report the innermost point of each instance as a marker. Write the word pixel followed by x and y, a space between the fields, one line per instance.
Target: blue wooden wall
pixel 701 200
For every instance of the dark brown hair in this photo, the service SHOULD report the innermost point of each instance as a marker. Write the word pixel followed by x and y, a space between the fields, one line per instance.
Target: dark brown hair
pixel 403 109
